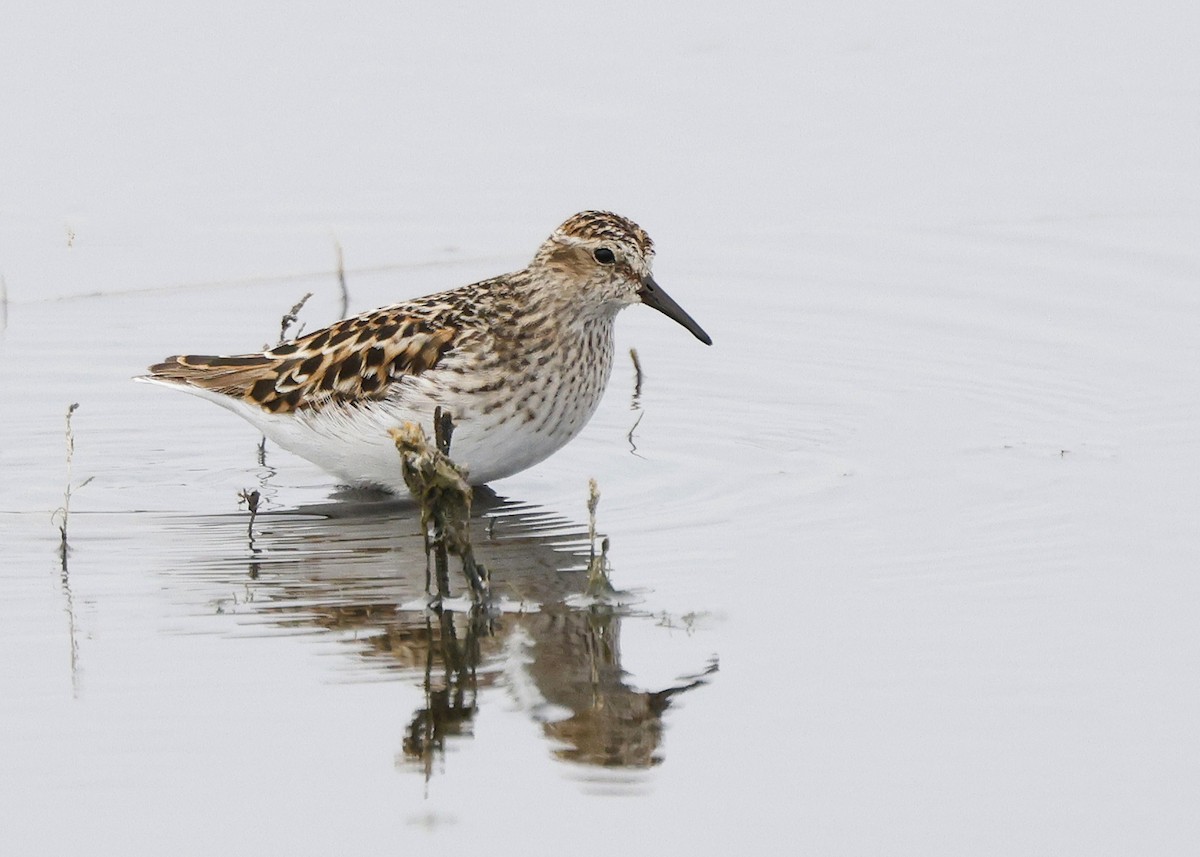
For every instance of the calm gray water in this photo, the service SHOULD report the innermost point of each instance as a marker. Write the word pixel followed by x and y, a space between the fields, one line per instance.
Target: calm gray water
pixel 936 543
pixel 908 555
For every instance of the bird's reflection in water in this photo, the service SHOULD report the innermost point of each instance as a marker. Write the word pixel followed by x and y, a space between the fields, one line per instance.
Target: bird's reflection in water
pixel 576 665
pixel 356 569
pixel 563 664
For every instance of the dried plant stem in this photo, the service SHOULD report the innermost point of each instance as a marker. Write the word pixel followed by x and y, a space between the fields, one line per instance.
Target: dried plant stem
pixel 592 504
pixel 599 585
pixel 290 318
pixel 285 323
pixel 63 512
pixel 341 274
pixel 250 498
pixel 637 377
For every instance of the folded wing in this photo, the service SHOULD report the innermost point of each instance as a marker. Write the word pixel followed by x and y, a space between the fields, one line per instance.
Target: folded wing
pixel 355 360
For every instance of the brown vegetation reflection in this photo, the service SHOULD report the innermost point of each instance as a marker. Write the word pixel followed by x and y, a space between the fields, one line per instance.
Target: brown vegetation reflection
pixel 357 570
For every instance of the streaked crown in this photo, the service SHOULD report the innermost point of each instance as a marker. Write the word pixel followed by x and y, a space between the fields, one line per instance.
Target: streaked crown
pixel 597 262
pixel 590 226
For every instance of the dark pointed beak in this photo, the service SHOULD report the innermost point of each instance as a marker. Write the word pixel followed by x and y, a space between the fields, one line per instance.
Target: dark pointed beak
pixel 653 296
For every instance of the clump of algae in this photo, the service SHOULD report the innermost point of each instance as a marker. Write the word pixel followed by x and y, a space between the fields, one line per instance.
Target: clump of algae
pixel 444 496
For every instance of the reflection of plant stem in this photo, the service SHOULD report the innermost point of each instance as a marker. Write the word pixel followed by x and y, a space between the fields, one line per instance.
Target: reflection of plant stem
pixel 451 701
pixel 423 741
pixel 289 318
pixel 632 429
pixel 265 486
pixel 74 640
pixel 635 404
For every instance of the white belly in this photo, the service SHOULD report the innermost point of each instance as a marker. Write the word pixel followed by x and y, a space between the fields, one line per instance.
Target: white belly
pixel 354 443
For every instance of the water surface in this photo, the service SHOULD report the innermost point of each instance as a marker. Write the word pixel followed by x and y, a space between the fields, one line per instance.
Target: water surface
pixel 908 554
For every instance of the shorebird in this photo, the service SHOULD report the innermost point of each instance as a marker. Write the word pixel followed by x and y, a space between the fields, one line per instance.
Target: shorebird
pixel 519 361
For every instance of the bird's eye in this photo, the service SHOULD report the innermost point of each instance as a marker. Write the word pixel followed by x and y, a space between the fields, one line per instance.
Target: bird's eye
pixel 604 256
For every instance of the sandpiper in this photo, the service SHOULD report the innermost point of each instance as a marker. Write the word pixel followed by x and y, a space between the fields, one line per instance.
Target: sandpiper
pixel 519 361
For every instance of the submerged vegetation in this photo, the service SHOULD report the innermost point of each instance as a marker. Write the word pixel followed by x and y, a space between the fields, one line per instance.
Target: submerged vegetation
pixel 444 496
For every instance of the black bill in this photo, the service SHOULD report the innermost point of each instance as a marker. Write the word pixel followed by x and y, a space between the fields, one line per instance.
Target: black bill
pixel 653 296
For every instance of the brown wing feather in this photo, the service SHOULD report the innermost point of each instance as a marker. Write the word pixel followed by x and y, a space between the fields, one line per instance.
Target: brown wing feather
pixel 354 360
